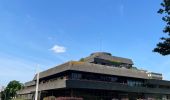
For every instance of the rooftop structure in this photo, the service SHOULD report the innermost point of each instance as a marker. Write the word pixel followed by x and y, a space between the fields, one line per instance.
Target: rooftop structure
pixel 100 76
pixel 105 58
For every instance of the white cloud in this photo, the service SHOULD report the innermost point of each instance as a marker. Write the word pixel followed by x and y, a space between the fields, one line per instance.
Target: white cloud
pixel 58 49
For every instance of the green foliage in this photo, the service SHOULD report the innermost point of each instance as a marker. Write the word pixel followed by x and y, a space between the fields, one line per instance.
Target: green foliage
pixel 2 95
pixel 11 89
pixel 163 47
pixel 82 59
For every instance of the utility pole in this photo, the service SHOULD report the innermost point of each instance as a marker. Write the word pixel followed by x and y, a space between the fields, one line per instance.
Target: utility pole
pixel 37 84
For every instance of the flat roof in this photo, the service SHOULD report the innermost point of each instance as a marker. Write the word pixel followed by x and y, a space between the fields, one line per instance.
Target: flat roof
pixel 93 68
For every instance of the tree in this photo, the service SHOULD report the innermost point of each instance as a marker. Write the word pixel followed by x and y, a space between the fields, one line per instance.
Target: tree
pixel 12 88
pixel 82 59
pixel 2 95
pixel 163 47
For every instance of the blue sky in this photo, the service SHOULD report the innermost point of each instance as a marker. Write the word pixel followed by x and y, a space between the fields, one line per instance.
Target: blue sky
pixel 49 33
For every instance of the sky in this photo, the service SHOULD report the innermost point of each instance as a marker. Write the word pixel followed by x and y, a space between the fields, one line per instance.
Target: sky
pixel 48 33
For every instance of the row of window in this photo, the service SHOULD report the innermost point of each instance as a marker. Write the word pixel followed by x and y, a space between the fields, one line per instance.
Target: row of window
pixel 106 78
pixel 134 83
pixel 85 76
pixel 93 77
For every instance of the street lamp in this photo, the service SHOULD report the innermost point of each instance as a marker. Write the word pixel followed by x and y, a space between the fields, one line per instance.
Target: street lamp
pixel 37 84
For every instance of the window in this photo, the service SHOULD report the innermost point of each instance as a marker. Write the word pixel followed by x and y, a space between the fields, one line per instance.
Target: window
pixel 76 76
pixel 134 83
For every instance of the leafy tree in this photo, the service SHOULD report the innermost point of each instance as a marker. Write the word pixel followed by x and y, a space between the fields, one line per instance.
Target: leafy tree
pixel 163 47
pixel 82 59
pixel 2 95
pixel 12 88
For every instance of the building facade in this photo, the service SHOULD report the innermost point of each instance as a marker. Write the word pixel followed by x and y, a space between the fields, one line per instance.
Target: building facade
pixel 100 76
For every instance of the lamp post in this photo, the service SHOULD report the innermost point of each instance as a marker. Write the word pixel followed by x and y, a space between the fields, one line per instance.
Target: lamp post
pixel 37 84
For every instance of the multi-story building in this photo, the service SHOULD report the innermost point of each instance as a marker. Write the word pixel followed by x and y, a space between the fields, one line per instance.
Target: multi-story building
pixel 100 76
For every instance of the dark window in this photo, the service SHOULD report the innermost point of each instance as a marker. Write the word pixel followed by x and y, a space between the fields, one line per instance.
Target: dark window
pixel 134 83
pixel 76 76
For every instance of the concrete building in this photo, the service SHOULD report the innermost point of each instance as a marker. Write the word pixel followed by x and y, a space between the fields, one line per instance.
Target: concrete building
pixel 100 76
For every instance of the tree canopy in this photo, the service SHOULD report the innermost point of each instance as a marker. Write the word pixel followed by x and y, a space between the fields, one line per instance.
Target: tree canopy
pixel 163 47
pixel 11 90
pixel 82 59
